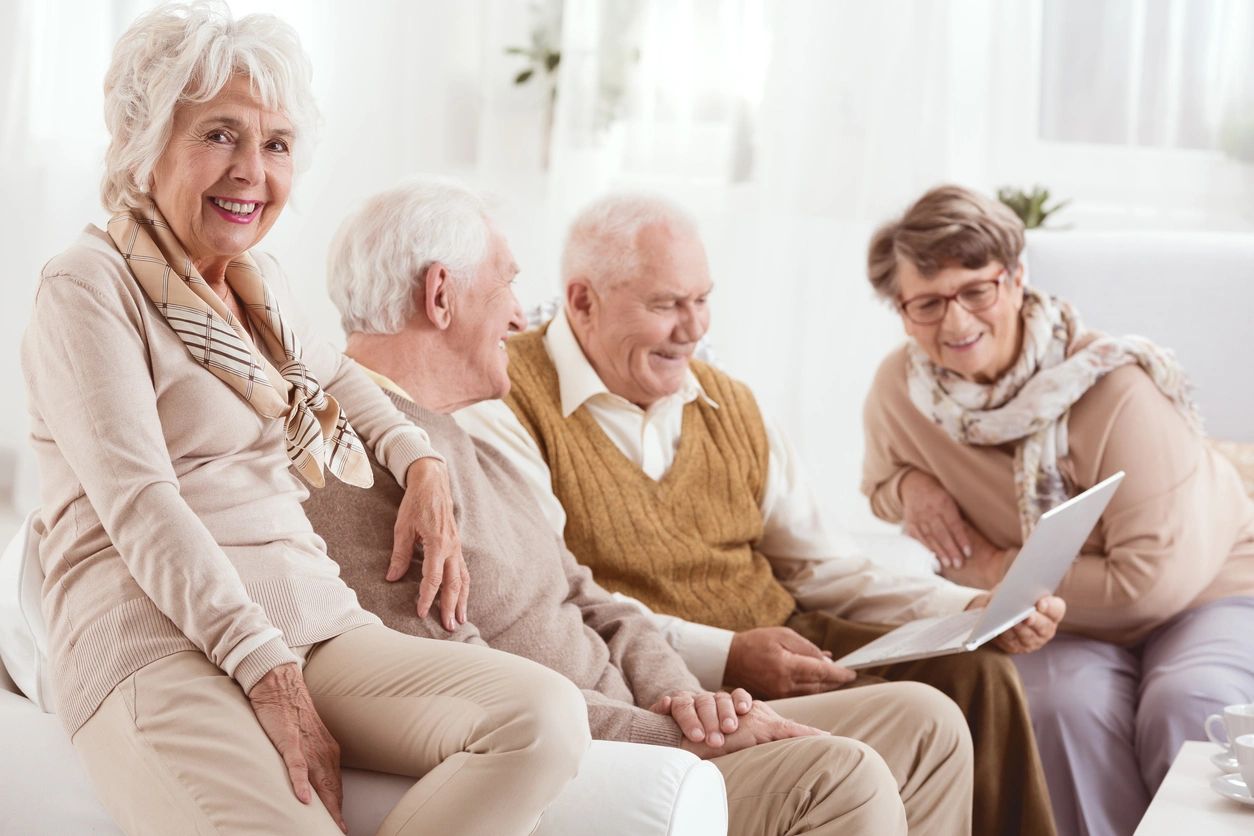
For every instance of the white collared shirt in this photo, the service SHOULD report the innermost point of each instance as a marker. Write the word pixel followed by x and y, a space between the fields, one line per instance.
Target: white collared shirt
pixel 822 568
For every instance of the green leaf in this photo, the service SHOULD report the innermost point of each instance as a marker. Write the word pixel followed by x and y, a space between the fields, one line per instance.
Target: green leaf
pixel 551 60
pixel 1030 206
pixel 522 77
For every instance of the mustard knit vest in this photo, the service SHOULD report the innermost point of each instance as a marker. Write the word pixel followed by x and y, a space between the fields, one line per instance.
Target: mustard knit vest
pixel 685 544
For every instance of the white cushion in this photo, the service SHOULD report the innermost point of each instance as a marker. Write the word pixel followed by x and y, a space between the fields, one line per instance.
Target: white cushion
pixel 43 787
pixel 23 635
pixel 623 789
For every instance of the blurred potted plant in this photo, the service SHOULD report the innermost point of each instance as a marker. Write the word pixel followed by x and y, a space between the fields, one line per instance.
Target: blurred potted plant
pixel 1029 206
pixel 1236 138
pixel 543 57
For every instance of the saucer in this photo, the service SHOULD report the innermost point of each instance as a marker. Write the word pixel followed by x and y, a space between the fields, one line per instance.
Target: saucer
pixel 1225 761
pixel 1231 786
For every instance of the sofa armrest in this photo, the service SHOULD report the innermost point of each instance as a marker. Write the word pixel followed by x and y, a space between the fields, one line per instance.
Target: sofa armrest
pixel 6 682
pixel 628 789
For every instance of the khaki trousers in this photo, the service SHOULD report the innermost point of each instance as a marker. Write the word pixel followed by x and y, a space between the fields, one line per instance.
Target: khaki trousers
pixel 899 759
pixel 493 738
pixel 1011 797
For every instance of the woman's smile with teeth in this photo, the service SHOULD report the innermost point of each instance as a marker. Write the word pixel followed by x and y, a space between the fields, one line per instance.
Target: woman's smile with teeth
pixel 234 207
pixel 963 343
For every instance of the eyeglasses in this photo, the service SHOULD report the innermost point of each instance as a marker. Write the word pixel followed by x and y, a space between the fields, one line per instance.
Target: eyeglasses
pixel 931 308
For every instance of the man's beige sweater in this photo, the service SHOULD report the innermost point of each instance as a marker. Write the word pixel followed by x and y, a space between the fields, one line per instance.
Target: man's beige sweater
pixel 170 517
pixel 1179 531
pixel 528 595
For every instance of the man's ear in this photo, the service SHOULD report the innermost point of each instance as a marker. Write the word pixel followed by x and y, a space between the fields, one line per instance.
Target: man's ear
pixel 581 299
pixel 437 301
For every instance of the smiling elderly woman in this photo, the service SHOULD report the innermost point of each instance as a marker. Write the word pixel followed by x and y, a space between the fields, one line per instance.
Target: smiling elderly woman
pixel 1002 405
pixel 201 637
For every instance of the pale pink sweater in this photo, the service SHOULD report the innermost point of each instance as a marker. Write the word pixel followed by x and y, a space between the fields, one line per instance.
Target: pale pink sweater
pixel 171 519
pixel 1179 531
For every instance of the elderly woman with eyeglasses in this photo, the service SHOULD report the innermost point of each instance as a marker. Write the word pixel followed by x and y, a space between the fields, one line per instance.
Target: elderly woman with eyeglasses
pixel 1000 406
pixel 209 663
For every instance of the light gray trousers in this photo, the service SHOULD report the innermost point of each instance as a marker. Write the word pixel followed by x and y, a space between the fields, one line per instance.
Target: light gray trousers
pixel 1109 720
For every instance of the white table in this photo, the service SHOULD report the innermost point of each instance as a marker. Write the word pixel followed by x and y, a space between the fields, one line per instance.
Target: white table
pixel 1185 803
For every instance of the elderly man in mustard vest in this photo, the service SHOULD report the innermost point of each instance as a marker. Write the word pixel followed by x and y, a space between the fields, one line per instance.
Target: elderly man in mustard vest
pixel 667 481
pixel 422 279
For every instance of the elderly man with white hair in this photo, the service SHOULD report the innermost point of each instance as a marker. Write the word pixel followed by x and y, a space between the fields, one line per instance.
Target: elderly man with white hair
pixel 667 481
pixel 423 279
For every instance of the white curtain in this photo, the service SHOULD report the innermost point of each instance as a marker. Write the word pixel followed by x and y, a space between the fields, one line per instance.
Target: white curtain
pixel 1161 73
pixel 831 107
pixel 847 109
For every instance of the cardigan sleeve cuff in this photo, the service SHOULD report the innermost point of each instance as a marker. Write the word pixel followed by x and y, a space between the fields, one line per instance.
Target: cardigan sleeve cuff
pixel 261 661
pixel 402 449
pixel 886 500
pixel 655 729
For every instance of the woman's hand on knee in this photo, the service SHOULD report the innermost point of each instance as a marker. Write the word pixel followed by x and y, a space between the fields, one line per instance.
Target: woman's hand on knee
pixel 933 518
pixel 287 715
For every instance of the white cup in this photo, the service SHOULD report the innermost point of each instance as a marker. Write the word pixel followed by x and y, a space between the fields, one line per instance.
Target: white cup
pixel 1236 719
pixel 1245 758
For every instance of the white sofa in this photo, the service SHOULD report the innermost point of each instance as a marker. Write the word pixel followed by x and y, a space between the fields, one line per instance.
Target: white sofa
pixel 1192 292
pixel 622 789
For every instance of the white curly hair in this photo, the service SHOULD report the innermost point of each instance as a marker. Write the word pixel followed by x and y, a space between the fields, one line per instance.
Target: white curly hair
pixel 184 53
pixel 382 251
pixel 603 245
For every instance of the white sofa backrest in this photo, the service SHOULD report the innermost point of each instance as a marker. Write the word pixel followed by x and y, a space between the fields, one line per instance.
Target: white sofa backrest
pixel 1190 292
pixel 6 682
pixel 23 634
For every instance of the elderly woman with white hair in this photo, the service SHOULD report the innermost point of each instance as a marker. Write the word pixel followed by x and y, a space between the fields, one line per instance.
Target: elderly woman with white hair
pixel 209 663
pixel 1001 405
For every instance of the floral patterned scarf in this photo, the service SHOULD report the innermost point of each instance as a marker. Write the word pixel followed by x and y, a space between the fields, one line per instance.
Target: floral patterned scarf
pixel 1030 402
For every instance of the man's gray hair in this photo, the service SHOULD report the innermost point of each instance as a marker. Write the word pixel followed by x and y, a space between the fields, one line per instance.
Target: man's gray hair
pixel 185 54
pixel 382 251
pixel 603 248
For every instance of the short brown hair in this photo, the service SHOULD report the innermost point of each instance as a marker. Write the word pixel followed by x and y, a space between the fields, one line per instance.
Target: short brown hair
pixel 949 226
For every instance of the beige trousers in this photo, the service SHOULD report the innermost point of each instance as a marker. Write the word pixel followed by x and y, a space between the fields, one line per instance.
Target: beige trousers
pixel 899 759
pixel 493 738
